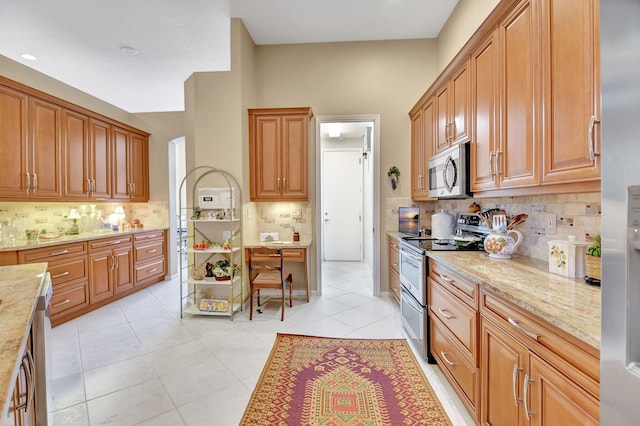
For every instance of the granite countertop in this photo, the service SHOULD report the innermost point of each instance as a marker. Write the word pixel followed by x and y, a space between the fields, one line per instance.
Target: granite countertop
pixel 569 304
pixel 20 286
pixel 24 244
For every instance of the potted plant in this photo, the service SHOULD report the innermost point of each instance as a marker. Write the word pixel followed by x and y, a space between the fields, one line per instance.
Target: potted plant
pixel 223 270
pixel 394 174
pixel 592 258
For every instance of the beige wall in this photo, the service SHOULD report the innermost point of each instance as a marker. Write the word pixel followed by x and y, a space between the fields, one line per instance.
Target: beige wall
pixel 463 22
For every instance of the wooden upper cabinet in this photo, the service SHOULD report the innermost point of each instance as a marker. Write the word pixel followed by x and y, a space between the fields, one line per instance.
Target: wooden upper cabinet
pixel 279 153
pixel 121 178
pixel 100 159
pixel 13 142
pixel 44 150
pixel 484 83
pixel 452 102
pixel 139 168
pixel 519 154
pixel 422 140
pixel 570 51
pixel 75 153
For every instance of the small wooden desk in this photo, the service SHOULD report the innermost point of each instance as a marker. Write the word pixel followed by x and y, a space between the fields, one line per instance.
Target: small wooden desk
pixel 297 251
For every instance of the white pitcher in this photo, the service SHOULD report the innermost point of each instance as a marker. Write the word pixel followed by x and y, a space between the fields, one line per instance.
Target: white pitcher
pixel 500 245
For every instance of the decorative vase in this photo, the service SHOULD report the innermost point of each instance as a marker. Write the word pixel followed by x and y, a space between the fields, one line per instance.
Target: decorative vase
pixel 501 244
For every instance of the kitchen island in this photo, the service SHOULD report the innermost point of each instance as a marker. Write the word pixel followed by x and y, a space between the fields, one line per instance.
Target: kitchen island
pixel 20 287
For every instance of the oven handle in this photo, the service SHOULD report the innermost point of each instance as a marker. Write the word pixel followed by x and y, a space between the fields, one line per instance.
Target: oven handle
pixel 412 306
pixel 410 255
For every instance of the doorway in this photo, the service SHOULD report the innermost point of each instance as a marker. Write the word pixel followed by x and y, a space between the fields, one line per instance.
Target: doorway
pixel 177 171
pixel 346 188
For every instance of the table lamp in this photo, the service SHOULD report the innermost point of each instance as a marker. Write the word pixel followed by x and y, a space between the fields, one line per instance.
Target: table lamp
pixel 74 216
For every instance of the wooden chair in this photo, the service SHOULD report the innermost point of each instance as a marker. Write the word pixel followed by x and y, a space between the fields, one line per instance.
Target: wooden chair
pixel 266 271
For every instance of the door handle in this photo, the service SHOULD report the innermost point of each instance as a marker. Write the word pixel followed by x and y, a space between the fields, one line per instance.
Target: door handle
pixel 514 380
pixel 525 396
pixel 591 140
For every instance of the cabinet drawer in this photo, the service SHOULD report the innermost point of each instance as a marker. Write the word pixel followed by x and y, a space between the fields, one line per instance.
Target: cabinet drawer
pixel 459 318
pixel 149 270
pixel 148 236
pixel 455 283
pixel 575 358
pixel 51 252
pixel 149 250
pixel 8 258
pixel 456 364
pixel 66 298
pixel 103 243
pixel 394 254
pixel 63 271
pixel 290 255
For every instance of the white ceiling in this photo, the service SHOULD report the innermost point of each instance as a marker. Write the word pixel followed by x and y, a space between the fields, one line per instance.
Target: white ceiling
pixel 80 42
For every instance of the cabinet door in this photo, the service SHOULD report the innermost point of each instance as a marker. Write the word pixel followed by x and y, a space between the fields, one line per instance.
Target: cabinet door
pixel 265 152
pixel 442 118
pixel 459 104
pixel 518 156
pixel 100 159
pixel 556 400
pixel 120 176
pixel 139 168
pixel 570 52
pixel 75 152
pixel 123 270
pixel 100 276
pixel 417 155
pixel 503 364
pixel 295 157
pixel 44 144
pixel 13 143
pixel 484 75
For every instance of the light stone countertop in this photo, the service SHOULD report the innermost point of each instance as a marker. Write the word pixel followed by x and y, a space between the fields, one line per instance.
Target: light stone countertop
pixel 24 244
pixel 20 286
pixel 570 304
pixel 303 243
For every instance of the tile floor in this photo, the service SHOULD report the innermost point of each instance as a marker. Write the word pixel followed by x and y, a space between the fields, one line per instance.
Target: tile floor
pixel 135 362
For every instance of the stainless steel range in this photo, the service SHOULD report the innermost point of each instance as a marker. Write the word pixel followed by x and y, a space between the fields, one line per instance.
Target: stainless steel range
pixel 414 305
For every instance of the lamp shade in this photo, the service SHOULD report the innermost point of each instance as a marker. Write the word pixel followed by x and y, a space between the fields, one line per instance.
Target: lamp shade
pixel 73 214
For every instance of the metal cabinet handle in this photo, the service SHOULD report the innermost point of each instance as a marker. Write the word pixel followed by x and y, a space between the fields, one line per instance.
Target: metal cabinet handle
pixel 447 279
pixel 517 326
pixel 152 270
pixel 525 396
pixel 492 165
pixel 117 262
pixel 28 183
pixel 444 356
pixel 152 251
pixel 28 366
pixel 93 185
pixel 58 253
pixel 278 184
pixel 395 264
pixel 514 380
pixel 113 262
pixel 453 130
pixel 64 302
pixel 35 183
pixel 62 274
pixel 446 313
pixel 591 140
pixel 499 162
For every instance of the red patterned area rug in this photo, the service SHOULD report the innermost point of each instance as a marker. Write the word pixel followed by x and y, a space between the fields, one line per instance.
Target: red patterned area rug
pixel 328 381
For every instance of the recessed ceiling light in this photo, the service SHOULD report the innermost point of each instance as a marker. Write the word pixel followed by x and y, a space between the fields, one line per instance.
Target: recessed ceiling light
pixel 129 50
pixel 29 57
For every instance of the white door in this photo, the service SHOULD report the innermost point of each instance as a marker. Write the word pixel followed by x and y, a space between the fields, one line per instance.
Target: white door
pixel 342 205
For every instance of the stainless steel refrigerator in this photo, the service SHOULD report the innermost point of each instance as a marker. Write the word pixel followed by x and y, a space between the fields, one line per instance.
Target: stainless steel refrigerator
pixel 620 133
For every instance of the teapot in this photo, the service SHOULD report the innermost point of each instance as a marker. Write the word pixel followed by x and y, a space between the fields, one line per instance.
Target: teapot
pixel 501 244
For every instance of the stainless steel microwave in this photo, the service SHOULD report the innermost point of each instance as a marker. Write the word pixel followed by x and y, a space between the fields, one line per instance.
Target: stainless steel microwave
pixel 449 173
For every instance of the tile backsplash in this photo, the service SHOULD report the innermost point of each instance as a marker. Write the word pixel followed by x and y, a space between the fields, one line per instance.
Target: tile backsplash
pixel 50 216
pixel 283 218
pixel 575 214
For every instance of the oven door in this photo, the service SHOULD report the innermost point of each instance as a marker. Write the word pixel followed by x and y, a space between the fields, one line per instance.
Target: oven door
pixel 412 273
pixel 414 320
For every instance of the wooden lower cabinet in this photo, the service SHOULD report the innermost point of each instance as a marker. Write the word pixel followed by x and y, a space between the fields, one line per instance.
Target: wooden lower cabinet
pixel 110 267
pixel 548 377
pixel 21 402
pixel 520 388
pixel 149 257
pixel 395 286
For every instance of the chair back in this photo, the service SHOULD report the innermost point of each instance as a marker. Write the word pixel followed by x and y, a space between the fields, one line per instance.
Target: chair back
pixel 263 259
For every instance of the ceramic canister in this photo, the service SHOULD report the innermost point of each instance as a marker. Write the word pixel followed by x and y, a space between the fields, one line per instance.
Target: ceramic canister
pixel 441 225
pixel 566 258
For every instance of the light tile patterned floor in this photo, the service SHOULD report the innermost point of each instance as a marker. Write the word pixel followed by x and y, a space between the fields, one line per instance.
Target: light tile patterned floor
pixel 135 362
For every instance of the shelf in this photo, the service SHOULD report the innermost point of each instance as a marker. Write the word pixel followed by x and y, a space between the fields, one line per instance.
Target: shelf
pixel 213 250
pixel 194 310
pixel 213 282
